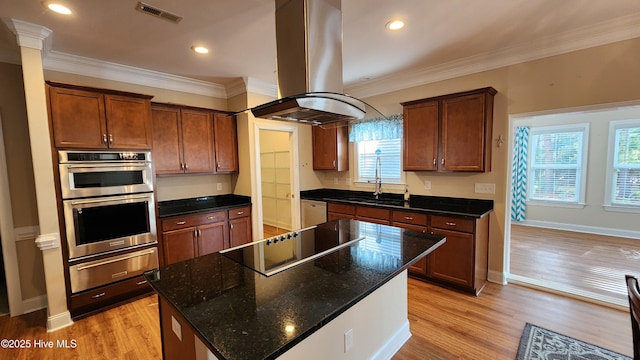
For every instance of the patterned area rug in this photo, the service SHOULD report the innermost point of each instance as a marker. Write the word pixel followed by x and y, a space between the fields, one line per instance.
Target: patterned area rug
pixel 539 343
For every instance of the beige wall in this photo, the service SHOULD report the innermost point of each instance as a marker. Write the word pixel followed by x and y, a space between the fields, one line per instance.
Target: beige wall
pixel 21 182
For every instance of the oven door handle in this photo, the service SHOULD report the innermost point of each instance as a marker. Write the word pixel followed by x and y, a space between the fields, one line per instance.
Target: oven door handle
pixel 102 166
pixel 109 199
pixel 120 258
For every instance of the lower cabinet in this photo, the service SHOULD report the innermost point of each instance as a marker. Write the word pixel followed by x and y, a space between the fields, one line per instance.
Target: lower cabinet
pixel 100 298
pixel 189 236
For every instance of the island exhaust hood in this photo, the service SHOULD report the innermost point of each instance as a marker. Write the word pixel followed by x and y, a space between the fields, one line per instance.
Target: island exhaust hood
pixel 309 61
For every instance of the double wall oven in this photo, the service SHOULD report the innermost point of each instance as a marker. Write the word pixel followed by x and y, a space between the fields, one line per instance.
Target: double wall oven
pixel 109 214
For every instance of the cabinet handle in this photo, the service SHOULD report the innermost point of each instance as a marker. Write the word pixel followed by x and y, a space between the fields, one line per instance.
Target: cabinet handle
pixel 434 161
pixel 98 295
pixel 110 138
pixel 408 217
pixel 443 162
pixel 450 223
pixel 181 222
pixel 104 138
pixel 240 212
pixel 186 167
pixel 141 282
pixel 333 163
pixel 199 233
pixel 210 217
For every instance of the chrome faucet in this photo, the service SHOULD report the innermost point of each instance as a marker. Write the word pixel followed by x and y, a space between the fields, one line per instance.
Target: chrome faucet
pixel 378 180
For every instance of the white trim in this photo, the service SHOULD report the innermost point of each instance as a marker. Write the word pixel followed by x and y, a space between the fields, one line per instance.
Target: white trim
pixel 27 232
pixel 34 303
pixel 394 343
pixel 560 204
pixel 7 236
pixel 497 277
pixel 609 205
pixel 623 28
pixel 48 241
pixel 27 34
pixel 622 209
pixel 79 65
pixel 580 228
pixel 569 291
pixel 59 321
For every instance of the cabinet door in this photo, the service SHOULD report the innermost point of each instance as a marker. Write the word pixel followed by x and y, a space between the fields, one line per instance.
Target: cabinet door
pixel 239 231
pixel 212 238
pixel 330 148
pixel 420 146
pixel 453 261
pixel 226 143
pixel 78 118
pixel 179 245
pixel 128 122
pixel 464 133
pixel 167 154
pixel 197 141
pixel 419 267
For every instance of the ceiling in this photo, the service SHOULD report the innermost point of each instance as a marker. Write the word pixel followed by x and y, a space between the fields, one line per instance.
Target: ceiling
pixel 440 34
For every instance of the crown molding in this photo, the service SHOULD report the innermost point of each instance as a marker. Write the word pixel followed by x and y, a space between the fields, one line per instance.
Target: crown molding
pixel 73 64
pixel 28 34
pixel 623 28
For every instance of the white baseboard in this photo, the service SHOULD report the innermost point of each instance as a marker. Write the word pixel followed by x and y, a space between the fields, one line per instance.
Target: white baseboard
pixel 34 304
pixel 394 343
pixel 580 228
pixel 59 321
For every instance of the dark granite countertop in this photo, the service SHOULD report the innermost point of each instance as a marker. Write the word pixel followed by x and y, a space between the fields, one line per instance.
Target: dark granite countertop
pixel 240 313
pixel 201 204
pixel 475 208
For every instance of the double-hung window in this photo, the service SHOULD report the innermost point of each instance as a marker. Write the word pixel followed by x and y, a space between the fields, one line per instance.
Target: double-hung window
pixel 378 148
pixel 557 164
pixel 623 169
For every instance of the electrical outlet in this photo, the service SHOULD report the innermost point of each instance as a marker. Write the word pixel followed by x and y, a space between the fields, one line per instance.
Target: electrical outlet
pixel 219 186
pixel 485 188
pixel 348 340
pixel 427 185
pixel 335 181
pixel 177 328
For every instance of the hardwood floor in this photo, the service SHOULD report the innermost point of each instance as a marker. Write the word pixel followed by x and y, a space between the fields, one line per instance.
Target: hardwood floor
pixel 445 325
pixel 586 262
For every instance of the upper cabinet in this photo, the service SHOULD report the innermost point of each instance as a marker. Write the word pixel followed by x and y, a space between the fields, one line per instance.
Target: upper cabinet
pixel 91 118
pixel 449 133
pixel 330 150
pixel 193 140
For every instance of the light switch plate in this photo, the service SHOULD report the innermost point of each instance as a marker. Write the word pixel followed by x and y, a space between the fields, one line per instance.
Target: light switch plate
pixel 348 340
pixel 485 188
pixel 176 327
pixel 219 186
pixel 427 185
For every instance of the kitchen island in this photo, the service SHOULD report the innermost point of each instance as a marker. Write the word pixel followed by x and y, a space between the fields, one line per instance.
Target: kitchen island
pixel 334 290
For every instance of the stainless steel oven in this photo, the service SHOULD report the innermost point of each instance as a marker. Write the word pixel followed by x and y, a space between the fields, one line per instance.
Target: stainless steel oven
pixel 104 224
pixel 99 173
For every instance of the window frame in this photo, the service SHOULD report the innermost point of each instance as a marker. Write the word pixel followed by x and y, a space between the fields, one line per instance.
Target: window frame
pixel 609 205
pixel 582 165
pixel 358 180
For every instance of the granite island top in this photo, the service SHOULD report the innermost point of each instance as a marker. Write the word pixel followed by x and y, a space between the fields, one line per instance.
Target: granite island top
pixel 259 300
pixel 474 208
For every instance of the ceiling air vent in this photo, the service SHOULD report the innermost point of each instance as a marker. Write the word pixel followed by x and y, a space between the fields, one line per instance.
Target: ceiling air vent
pixel 152 10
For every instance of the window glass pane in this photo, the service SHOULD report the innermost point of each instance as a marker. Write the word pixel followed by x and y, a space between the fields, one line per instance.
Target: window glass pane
pixel 557 149
pixel 628 146
pixel 626 172
pixel 555 184
pixel 627 187
pixel 390 169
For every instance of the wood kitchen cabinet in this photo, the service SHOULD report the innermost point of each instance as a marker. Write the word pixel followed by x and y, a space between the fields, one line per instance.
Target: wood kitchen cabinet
pixel 189 236
pixel 340 211
pixel 182 140
pixel 91 118
pixel 330 151
pixel 412 221
pixel 193 140
pixel 462 261
pixel 449 133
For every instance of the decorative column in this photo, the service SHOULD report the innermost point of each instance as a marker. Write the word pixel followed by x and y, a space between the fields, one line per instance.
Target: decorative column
pixel 31 38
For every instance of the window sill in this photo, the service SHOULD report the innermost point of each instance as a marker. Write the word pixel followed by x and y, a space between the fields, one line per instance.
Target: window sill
pixel 556 204
pixel 621 208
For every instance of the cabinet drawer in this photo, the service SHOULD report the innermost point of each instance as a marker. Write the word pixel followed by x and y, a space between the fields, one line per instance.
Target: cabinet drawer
pixel 110 294
pixel 371 212
pixel 239 212
pixel 452 223
pixel 341 208
pixel 410 218
pixel 181 222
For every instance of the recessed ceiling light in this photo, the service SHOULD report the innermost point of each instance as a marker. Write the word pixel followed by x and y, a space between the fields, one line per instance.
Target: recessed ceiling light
pixel 58 8
pixel 395 24
pixel 200 49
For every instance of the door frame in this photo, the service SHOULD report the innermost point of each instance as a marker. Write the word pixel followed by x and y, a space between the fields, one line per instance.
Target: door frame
pixel 294 167
pixel 7 233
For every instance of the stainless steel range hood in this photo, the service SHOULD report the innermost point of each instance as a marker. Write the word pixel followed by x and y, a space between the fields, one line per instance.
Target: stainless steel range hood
pixel 309 59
